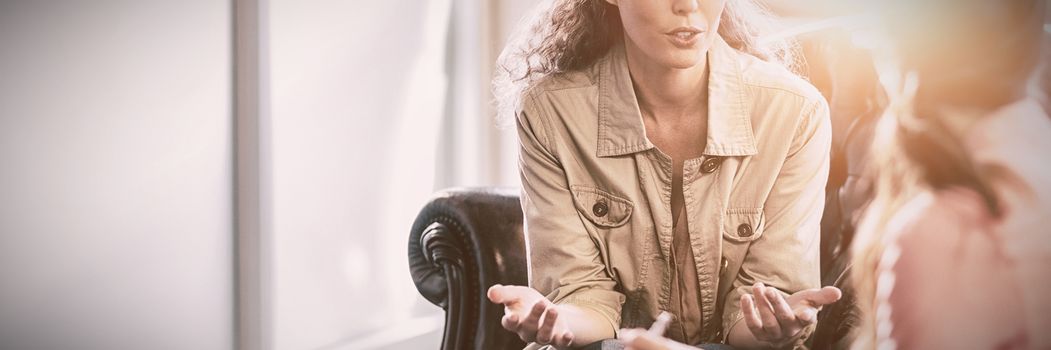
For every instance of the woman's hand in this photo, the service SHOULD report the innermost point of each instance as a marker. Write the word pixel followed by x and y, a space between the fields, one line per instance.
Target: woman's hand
pixel 640 339
pixel 531 316
pixel 775 321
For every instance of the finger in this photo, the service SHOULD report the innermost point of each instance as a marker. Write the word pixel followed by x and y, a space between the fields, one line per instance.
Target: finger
pixel 807 315
pixel 757 296
pixel 758 288
pixel 646 341
pixel 495 294
pixel 751 317
pixel 766 313
pixel 527 327
pixel 627 337
pixel 627 334
pixel 781 308
pixel 785 317
pixel 532 321
pixel 492 292
pixel 545 334
pixel 510 322
pixel 506 295
pixel 823 296
pixel 563 339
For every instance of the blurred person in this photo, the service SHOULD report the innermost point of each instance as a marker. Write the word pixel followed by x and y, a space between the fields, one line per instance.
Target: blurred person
pixel 954 251
pixel 668 162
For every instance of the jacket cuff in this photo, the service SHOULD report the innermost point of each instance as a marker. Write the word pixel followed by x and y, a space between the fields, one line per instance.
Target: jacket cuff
pixel 728 324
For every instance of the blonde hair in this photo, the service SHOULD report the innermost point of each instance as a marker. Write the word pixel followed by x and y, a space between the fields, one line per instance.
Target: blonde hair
pixel 893 182
pixel 567 35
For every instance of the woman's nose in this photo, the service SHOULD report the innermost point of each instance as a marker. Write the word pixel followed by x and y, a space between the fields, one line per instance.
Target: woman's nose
pixel 685 7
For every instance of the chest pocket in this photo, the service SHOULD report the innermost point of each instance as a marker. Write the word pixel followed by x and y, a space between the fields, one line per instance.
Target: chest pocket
pixel 743 224
pixel 600 207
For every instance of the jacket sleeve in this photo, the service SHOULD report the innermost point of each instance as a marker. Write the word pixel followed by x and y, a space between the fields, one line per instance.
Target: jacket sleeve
pixel 564 261
pixel 787 254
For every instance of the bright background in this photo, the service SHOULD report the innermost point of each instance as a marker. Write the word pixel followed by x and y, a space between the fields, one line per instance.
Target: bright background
pixel 127 221
pixel 119 184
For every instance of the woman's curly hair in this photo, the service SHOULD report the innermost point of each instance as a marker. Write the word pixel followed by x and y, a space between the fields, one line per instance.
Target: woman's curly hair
pixel 567 35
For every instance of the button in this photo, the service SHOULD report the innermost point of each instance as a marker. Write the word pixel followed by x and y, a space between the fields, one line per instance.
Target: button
pixel 744 230
pixel 711 164
pixel 723 264
pixel 600 208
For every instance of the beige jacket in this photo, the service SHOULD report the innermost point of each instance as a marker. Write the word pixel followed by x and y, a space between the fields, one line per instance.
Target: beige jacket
pixel 596 192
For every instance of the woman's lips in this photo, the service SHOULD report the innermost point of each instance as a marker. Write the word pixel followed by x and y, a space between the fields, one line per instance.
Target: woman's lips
pixel 684 37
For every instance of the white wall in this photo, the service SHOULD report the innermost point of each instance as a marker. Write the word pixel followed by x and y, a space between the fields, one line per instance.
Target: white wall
pixel 356 100
pixel 115 175
pixel 374 105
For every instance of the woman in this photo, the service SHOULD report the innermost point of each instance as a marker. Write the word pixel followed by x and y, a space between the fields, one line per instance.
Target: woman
pixel 953 253
pixel 669 162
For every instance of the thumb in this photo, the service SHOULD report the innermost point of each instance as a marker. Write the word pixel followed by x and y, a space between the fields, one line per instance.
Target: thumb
pixel 628 334
pixel 496 293
pixel 502 294
pixel 823 296
pixel 642 340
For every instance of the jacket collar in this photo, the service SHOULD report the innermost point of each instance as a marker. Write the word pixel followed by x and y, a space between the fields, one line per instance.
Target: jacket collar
pixel 620 127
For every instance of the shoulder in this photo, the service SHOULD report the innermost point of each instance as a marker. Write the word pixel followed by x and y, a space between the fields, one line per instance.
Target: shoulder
pixel 571 94
pixel 1004 141
pixel 783 106
pixel 1007 145
pixel 560 85
pixel 775 83
pixel 763 75
pixel 559 101
pixel 563 82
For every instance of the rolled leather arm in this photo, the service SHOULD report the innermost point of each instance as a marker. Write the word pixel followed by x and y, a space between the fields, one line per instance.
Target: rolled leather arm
pixel 463 241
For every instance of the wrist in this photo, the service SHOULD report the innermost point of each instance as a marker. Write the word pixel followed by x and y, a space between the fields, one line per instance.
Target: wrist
pixel 797 341
pixel 741 337
pixel 588 326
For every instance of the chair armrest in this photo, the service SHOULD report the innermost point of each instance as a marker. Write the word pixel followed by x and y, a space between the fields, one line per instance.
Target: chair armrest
pixel 836 323
pixel 463 241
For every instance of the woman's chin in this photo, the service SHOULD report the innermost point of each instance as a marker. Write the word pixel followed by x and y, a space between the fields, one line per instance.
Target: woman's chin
pixel 684 60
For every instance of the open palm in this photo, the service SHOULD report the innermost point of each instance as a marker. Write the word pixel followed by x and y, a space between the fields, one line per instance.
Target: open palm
pixel 530 315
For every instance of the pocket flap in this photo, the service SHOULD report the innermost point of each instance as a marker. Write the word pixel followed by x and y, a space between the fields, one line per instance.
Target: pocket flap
pixel 743 224
pixel 600 207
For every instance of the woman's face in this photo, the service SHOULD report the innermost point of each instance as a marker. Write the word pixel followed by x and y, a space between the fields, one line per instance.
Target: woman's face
pixel 670 33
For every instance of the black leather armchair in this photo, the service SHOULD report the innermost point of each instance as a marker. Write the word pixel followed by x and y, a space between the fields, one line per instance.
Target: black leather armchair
pixel 465 240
